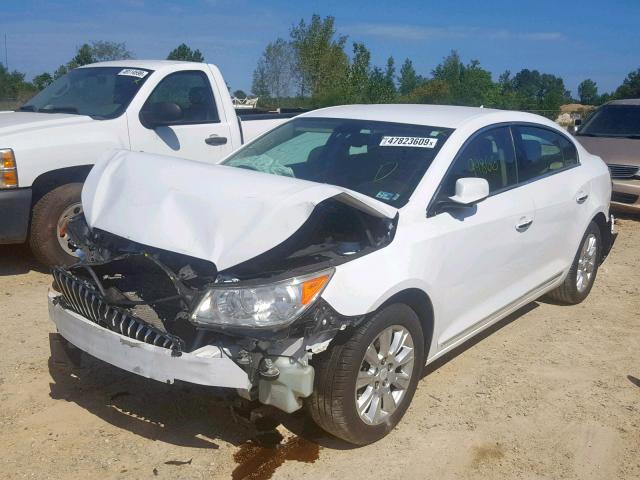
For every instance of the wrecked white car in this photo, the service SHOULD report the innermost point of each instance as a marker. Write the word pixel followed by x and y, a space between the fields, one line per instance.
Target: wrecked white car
pixel 327 261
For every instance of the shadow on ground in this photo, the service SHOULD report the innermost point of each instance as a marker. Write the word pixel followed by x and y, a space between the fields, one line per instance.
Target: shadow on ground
pixel 185 414
pixel 17 259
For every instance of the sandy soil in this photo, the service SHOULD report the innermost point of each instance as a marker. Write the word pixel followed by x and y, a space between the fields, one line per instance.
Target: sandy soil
pixel 551 392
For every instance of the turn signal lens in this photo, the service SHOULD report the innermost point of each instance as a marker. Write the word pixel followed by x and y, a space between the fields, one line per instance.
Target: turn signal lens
pixel 8 169
pixel 310 288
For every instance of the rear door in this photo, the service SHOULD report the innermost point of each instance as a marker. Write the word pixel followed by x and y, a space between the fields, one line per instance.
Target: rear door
pixel 202 134
pixel 483 268
pixel 550 174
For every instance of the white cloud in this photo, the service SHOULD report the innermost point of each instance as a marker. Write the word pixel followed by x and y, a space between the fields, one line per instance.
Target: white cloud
pixel 418 33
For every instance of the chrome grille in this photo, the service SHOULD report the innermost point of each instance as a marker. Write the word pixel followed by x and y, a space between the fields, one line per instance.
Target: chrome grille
pixel 81 297
pixel 623 171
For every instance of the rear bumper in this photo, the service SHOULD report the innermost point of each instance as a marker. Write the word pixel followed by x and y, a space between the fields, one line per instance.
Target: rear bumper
pixel 15 206
pixel 626 195
pixel 208 365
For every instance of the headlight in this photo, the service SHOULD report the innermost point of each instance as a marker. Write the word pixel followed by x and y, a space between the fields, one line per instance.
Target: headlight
pixel 8 169
pixel 271 305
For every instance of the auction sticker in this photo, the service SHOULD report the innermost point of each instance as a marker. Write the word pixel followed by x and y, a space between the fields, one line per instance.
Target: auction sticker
pixel 133 72
pixel 420 142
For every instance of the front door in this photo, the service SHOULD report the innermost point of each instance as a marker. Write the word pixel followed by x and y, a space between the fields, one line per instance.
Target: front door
pixel 200 135
pixel 483 267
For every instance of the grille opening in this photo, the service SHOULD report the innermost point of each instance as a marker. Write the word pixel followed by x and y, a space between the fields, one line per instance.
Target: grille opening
pixel 627 198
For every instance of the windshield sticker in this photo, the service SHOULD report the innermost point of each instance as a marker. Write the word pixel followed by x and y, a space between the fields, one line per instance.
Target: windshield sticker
pixel 420 142
pixel 387 195
pixel 132 72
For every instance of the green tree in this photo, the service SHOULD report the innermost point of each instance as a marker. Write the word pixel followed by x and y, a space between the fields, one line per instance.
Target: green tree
pixel 13 86
pixel 276 69
pixel 184 53
pixel 630 87
pixel 358 77
pixel 239 94
pixel 60 71
pixel 260 85
pixel 588 92
pixel 104 51
pixel 467 84
pixel 321 63
pixel 409 79
pixel 42 81
pixel 84 56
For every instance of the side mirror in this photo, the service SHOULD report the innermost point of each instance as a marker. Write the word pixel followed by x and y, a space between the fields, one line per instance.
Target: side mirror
pixel 161 114
pixel 470 191
pixel 576 125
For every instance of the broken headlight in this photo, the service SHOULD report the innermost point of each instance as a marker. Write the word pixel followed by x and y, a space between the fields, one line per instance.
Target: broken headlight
pixel 270 305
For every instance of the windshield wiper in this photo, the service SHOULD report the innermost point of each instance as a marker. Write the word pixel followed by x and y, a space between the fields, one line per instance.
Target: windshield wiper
pixel 27 108
pixel 59 110
pixel 632 136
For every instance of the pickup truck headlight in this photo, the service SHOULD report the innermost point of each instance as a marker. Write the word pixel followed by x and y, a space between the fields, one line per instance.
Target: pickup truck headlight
pixel 270 305
pixel 8 169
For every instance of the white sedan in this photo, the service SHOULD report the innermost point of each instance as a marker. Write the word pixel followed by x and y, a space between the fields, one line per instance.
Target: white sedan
pixel 328 261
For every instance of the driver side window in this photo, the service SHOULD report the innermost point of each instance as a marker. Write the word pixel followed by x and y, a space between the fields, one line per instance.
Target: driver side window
pixel 191 91
pixel 490 155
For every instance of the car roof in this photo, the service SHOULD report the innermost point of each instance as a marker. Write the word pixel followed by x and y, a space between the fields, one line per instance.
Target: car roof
pixel 146 64
pixel 626 101
pixel 446 116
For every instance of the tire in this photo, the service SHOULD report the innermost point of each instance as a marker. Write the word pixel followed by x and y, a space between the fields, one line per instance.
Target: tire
pixel 332 405
pixel 43 236
pixel 571 292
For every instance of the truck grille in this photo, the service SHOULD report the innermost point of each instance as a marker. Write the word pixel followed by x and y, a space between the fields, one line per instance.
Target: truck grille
pixel 623 171
pixel 621 197
pixel 81 297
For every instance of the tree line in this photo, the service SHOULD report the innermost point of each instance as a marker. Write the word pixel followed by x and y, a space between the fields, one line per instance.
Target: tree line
pixel 312 68
pixel 13 85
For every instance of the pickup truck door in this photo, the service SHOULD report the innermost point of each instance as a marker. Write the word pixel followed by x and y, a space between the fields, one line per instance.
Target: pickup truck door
pixel 203 133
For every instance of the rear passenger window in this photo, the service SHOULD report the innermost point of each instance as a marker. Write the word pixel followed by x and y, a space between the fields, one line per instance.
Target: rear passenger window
pixel 490 155
pixel 542 151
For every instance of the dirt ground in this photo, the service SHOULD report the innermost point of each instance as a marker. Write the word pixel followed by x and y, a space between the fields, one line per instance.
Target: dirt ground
pixel 551 392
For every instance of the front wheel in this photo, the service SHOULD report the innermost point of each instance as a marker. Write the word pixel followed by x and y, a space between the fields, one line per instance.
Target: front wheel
pixel 48 237
pixel 582 274
pixel 364 383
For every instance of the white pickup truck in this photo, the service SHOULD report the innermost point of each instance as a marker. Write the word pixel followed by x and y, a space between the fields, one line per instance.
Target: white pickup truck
pixel 48 145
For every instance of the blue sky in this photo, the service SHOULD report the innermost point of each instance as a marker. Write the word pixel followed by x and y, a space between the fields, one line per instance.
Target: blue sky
pixel 576 40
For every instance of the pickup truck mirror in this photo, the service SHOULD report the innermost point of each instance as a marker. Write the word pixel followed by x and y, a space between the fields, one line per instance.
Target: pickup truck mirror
pixel 576 125
pixel 161 114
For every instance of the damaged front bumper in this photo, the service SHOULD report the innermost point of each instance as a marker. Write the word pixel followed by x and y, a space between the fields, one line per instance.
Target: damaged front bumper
pixel 209 365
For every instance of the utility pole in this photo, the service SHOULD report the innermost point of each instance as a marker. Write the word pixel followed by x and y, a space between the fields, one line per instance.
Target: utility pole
pixel 6 58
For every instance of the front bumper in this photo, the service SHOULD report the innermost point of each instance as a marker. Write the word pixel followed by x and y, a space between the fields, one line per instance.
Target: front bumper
pixel 15 205
pixel 208 365
pixel 626 195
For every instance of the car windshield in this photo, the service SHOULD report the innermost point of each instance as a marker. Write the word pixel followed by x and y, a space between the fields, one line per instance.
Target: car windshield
pixel 613 121
pixel 379 159
pixel 100 92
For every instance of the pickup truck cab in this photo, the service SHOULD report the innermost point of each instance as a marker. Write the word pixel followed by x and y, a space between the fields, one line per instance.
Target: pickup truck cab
pixel 48 146
pixel 329 260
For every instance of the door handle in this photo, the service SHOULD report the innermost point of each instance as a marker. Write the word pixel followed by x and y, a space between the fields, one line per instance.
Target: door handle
pixel 525 224
pixel 582 197
pixel 215 140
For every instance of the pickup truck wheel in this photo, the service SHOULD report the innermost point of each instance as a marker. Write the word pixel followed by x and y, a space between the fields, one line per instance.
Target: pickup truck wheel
pixel 365 382
pixel 48 239
pixel 582 274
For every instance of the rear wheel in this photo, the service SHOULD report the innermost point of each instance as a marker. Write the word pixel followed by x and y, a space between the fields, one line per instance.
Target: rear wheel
pixel 582 274
pixel 48 237
pixel 364 383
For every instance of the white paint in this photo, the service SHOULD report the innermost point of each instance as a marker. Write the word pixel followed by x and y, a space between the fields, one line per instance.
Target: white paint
pixel 44 142
pixel 222 214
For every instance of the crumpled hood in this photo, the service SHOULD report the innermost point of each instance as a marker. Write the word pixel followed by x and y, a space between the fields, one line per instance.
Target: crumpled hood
pixel 14 122
pixel 226 215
